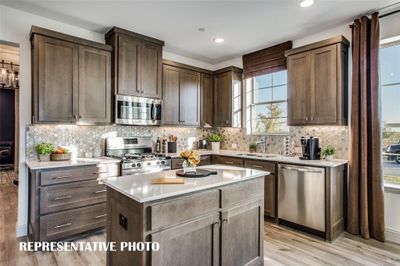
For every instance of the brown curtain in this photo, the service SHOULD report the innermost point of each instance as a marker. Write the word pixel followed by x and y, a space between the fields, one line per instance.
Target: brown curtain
pixel 366 200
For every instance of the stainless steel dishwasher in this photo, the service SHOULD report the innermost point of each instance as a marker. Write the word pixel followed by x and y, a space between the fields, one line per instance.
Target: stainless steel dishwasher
pixel 301 195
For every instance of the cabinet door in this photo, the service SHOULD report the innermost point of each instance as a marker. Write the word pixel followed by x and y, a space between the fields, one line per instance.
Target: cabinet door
pixel 171 84
pixel 55 66
pixel 298 88
pixel 150 70
pixel 94 85
pixel 207 96
pixel 223 100
pixel 189 98
pixel 269 196
pixel 324 85
pixel 128 66
pixel 193 243
pixel 242 234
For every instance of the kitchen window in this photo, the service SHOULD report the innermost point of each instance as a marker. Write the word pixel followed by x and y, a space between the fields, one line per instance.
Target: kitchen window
pixel 390 95
pixel 266 104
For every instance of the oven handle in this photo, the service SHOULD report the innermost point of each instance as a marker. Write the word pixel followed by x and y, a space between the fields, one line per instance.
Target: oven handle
pixel 153 112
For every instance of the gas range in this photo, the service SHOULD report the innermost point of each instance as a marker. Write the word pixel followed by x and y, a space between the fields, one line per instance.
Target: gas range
pixel 136 156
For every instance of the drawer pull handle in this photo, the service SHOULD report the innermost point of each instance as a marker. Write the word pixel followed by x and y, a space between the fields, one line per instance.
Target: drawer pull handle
pixel 62 225
pixel 62 176
pixel 257 166
pixel 100 191
pixel 63 197
pixel 98 173
pixel 229 162
pixel 100 216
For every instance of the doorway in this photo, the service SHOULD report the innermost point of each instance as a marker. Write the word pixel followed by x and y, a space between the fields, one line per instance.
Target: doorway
pixel 9 112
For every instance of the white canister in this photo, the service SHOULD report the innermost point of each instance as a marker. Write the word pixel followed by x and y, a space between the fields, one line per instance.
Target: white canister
pixel 215 146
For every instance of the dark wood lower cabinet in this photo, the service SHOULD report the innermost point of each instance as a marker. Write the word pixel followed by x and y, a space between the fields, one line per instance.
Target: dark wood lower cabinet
pixel 65 202
pixel 193 243
pixel 192 229
pixel 242 237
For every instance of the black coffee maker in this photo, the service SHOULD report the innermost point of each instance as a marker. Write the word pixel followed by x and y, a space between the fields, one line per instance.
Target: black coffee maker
pixel 310 148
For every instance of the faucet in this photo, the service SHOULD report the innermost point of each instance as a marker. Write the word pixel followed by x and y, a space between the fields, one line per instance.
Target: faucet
pixel 264 142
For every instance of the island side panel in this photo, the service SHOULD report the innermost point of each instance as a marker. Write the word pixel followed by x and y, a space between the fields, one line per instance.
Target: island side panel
pixel 121 211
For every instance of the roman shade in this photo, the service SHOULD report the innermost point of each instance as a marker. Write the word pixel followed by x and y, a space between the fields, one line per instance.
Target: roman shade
pixel 266 61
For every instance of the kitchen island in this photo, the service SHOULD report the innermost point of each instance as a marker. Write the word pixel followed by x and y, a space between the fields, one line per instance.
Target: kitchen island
pixel 214 220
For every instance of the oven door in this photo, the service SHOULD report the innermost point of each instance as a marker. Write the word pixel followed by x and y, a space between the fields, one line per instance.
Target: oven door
pixel 137 111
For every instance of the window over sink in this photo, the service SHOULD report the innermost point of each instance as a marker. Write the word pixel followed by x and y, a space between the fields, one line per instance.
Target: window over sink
pixel 266 104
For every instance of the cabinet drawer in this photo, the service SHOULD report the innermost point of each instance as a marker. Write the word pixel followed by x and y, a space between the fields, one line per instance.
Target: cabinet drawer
pixel 243 191
pixel 73 195
pixel 68 223
pixel 228 160
pixel 64 175
pixel 205 160
pixel 181 209
pixel 260 165
pixel 176 163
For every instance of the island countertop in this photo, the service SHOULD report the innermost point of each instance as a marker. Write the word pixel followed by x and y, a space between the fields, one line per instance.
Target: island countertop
pixel 140 188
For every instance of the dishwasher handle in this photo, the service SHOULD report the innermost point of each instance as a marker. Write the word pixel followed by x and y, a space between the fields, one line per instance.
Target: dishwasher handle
pixel 302 169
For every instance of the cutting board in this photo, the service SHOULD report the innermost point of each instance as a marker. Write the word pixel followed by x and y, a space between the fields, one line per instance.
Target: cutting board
pixel 164 180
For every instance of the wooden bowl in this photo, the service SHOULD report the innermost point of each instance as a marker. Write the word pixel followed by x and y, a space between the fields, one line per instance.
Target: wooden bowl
pixel 60 157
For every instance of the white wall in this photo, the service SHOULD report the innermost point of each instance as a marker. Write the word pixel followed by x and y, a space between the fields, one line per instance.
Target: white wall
pixel 15 26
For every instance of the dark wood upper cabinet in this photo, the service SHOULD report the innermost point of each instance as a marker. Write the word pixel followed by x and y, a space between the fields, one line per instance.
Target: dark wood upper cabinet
pixel 181 96
pixel 189 98
pixel 126 81
pixel 71 79
pixel 227 86
pixel 136 63
pixel 207 97
pixel 55 80
pixel 94 86
pixel 317 83
pixel 171 84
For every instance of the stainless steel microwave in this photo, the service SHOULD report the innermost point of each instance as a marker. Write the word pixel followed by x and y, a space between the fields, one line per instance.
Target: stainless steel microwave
pixel 131 110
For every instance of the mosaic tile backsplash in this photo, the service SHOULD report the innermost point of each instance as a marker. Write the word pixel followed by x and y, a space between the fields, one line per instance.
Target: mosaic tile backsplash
pixel 91 138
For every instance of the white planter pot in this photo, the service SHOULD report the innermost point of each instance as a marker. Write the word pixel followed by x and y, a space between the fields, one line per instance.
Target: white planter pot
pixel 215 146
pixel 329 157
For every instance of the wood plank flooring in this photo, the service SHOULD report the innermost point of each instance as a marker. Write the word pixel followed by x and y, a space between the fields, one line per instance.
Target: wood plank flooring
pixel 282 246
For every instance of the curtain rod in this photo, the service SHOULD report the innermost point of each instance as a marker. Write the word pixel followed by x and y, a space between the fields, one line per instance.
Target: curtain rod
pixel 390 13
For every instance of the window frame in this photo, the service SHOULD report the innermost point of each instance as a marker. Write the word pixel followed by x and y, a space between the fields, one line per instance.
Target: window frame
pixel 250 107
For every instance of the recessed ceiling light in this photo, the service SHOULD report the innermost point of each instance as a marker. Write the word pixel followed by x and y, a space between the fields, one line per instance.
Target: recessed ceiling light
pixel 306 3
pixel 202 29
pixel 219 40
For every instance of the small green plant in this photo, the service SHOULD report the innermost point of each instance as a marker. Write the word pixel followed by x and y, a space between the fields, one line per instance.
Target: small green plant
pixel 329 150
pixel 216 138
pixel 252 146
pixel 44 148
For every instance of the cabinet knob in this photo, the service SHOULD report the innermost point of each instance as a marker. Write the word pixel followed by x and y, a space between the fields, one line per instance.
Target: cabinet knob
pixel 312 118
pixel 226 122
pixel 306 118
pixel 75 117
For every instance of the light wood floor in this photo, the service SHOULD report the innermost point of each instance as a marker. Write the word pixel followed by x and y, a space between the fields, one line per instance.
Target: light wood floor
pixel 282 246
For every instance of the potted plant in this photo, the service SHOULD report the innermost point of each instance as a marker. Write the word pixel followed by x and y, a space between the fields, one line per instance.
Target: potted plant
pixel 44 150
pixel 328 152
pixel 215 140
pixel 252 147
pixel 190 160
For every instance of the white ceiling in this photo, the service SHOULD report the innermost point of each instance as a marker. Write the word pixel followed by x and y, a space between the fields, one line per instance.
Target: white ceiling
pixel 245 25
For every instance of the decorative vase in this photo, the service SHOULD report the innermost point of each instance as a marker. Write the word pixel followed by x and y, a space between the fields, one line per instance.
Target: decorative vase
pixel 215 146
pixel 329 157
pixel 44 157
pixel 188 167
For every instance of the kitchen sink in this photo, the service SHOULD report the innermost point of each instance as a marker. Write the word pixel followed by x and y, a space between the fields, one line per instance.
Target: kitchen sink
pixel 258 155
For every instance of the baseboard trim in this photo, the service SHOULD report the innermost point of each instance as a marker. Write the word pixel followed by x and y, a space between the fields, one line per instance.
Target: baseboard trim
pixel 392 236
pixel 21 230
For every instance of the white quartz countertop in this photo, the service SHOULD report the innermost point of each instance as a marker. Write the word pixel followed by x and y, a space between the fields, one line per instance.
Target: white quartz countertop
pixel 140 188
pixel 270 157
pixel 36 165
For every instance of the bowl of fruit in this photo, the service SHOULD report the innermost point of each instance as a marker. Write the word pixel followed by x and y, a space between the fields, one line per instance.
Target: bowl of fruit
pixel 60 154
